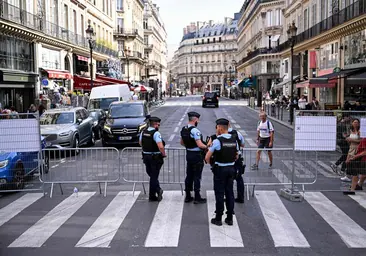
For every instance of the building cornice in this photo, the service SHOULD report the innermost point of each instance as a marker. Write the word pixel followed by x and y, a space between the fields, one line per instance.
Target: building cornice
pixel 97 17
pixel 292 8
pixel 79 4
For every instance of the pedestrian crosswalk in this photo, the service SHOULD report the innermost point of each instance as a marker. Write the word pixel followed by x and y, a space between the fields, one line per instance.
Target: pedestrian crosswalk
pixel 165 227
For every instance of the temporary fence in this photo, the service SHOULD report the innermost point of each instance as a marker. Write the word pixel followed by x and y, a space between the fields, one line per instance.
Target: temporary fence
pixel 20 152
pixel 172 171
pixel 277 111
pixel 81 166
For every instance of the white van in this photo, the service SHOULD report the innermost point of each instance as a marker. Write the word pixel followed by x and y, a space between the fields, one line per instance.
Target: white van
pixel 102 96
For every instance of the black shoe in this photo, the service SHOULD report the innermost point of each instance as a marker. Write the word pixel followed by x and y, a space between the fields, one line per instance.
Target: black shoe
pixel 153 199
pixel 229 222
pixel 200 200
pixel 160 195
pixel 188 198
pixel 240 201
pixel 216 222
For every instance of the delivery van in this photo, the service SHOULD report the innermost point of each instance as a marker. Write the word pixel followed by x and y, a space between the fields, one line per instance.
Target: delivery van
pixel 102 96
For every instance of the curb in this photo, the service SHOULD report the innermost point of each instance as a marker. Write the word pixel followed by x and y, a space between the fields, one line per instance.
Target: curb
pixel 273 119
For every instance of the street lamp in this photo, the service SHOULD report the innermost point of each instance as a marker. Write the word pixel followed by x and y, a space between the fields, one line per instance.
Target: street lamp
pixel 146 76
pixel 170 84
pixel 291 33
pixel 127 55
pixel 91 39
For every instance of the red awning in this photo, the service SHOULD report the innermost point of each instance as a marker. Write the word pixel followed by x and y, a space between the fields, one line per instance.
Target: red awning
pixel 110 79
pixel 328 85
pixel 58 74
pixel 302 84
pixel 83 83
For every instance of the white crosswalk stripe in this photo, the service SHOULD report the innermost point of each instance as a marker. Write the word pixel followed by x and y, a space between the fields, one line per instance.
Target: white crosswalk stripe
pixel 166 226
pixel 320 170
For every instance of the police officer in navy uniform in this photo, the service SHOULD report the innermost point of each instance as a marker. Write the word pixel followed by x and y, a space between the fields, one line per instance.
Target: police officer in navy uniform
pixel 225 152
pixel 191 139
pixel 153 153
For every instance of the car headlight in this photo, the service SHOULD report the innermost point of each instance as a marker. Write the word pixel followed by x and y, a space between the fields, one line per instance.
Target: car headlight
pixel 4 163
pixel 142 126
pixel 64 134
pixel 107 128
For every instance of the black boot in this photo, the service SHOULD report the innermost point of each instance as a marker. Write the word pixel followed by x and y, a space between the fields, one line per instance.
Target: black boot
pixel 198 199
pixel 229 219
pixel 217 220
pixel 188 198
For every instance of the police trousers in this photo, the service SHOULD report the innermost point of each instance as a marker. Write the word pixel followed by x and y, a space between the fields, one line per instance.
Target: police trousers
pixel 239 178
pixel 223 186
pixel 194 171
pixel 153 165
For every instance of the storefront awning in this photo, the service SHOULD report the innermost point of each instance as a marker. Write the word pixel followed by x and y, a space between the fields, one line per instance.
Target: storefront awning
pixel 83 83
pixel 302 84
pixel 325 79
pixel 197 85
pixel 286 82
pixel 358 80
pixel 57 74
pixel 328 85
pixel 110 79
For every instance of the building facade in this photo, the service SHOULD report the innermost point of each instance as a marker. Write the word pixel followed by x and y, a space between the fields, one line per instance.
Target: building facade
pixel 43 43
pixel 129 35
pixel 156 49
pixel 260 29
pixel 206 56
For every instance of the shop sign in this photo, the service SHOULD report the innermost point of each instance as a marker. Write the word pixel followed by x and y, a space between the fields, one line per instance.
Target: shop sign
pixel 336 70
pixel 17 78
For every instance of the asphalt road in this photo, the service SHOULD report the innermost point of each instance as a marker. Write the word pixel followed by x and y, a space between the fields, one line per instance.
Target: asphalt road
pixel 125 223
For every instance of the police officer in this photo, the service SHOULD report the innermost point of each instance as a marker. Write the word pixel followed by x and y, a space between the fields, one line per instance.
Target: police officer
pixel 153 153
pixel 191 139
pixel 225 151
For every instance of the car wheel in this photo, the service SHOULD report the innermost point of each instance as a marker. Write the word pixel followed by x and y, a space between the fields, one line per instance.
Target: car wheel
pixel 18 177
pixel 92 139
pixel 76 146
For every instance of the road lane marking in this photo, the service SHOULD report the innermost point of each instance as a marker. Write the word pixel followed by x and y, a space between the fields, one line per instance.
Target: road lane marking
pixel 237 126
pixel 320 170
pixel 251 142
pixel 180 123
pixel 38 234
pixel 232 121
pixel 283 229
pixel 288 164
pixel 171 137
pixel 281 177
pixel 350 232
pixel 360 198
pixel 11 210
pixel 307 172
pixel 103 230
pixel 225 235
pixel 176 129
pixel 165 227
pixel 244 133
pixel 181 119
pixel 327 168
pixel 229 117
pixel 264 157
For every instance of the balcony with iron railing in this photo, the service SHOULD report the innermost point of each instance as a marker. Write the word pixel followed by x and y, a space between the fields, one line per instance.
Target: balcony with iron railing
pixel 33 22
pixel 149 47
pixel 148 29
pixel 257 52
pixel 121 31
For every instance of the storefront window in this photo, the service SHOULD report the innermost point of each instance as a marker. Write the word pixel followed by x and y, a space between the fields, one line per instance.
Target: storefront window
pixel 16 54
pixel 329 56
pixel 51 59
pixel 355 48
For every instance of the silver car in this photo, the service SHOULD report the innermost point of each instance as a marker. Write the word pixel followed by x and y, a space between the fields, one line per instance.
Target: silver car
pixel 67 128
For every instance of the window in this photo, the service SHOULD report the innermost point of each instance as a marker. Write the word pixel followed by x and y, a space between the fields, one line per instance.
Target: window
pixel 197 42
pixel 208 41
pixel 120 23
pixel 306 19
pixel 286 66
pixel 82 25
pixel 119 5
pixel 219 39
pixel 75 22
pixel 269 18
pixel 214 40
pixel 103 1
pixel 314 15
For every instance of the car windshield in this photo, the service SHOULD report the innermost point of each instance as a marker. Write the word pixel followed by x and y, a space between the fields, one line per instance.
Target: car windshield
pixel 209 94
pixel 101 103
pixel 57 118
pixel 94 114
pixel 126 110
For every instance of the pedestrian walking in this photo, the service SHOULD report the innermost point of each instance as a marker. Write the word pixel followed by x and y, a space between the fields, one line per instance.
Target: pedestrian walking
pixel 343 131
pixel 265 139
pixel 153 154
pixel 224 149
pixel 356 166
pixel 191 139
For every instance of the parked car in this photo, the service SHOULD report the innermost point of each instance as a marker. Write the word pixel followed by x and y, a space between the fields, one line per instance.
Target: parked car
pixel 99 116
pixel 15 167
pixel 210 98
pixel 125 121
pixel 67 128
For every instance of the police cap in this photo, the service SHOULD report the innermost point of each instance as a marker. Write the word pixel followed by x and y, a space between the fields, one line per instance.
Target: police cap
pixel 154 119
pixel 193 114
pixel 222 121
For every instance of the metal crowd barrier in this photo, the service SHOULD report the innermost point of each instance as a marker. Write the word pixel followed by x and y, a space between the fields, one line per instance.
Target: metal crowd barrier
pixel 172 171
pixel 81 165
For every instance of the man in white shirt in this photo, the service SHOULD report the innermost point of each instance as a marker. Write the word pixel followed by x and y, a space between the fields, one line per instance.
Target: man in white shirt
pixel 265 139
pixel 302 103
pixel 135 97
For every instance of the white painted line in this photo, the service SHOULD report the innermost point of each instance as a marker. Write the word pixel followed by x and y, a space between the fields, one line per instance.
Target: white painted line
pixel 244 133
pixel 180 123
pixel 288 164
pixel 11 210
pixel 283 229
pixel 302 168
pixel 38 234
pixel 225 235
pixel 237 126
pixel 101 233
pixel 229 117
pixel 350 232
pixel 181 119
pixel 360 198
pixel 232 121
pixel 171 137
pixel 281 177
pixel 251 142
pixel 327 168
pixel 176 129
pixel 320 170
pixel 167 146
pixel 165 227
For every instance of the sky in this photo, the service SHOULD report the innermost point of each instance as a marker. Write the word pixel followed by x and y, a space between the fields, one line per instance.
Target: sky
pixel 177 14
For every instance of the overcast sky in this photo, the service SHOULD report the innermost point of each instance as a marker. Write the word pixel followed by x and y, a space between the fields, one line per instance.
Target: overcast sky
pixel 178 14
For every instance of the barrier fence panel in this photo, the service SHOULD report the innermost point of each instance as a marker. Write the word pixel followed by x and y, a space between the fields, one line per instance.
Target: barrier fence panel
pixel 20 147
pixel 172 171
pixel 81 165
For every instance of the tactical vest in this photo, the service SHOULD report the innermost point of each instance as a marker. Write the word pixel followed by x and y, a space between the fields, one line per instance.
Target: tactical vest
pixel 148 143
pixel 185 133
pixel 227 153
pixel 234 133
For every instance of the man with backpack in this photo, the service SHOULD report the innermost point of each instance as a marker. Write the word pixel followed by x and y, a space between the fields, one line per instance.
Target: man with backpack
pixel 264 140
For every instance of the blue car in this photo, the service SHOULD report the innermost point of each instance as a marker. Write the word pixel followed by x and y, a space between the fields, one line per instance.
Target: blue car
pixel 15 167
